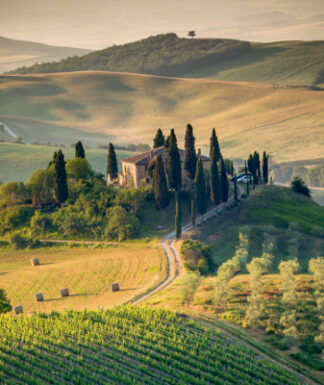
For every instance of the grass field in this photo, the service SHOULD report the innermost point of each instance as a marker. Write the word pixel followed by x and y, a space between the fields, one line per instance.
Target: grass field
pixel 282 63
pixel 128 345
pixel 18 161
pixel 129 108
pixel 87 272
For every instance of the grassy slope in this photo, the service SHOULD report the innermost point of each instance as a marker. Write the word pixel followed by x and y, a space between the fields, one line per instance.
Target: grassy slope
pixel 87 272
pixel 18 161
pixel 130 107
pixel 285 63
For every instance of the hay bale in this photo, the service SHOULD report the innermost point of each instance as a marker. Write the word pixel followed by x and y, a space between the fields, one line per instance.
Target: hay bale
pixel 115 286
pixel 18 309
pixel 35 262
pixel 65 292
pixel 39 297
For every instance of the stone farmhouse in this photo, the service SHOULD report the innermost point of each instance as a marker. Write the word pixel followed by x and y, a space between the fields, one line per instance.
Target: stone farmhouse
pixel 135 169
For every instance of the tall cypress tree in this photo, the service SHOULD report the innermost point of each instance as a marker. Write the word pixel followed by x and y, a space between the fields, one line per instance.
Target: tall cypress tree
pixel 200 189
pixel 79 150
pixel 256 167
pixel 215 185
pixel 161 192
pixel 159 139
pixel 60 183
pixel 265 167
pixel 224 182
pixel 112 168
pixel 214 146
pixel 173 166
pixel 173 162
pixel 190 157
pixel 250 164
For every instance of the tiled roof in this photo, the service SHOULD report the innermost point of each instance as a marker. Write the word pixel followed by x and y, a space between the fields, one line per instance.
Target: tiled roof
pixel 145 157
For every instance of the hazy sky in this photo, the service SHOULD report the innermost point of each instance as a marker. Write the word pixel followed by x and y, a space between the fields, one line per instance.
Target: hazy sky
pixel 100 23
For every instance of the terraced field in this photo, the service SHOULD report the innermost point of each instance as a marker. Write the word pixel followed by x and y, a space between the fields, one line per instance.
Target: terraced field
pixel 127 345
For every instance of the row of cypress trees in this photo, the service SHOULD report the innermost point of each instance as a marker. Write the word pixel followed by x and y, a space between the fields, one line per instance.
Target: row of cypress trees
pixel 193 168
pixel 254 167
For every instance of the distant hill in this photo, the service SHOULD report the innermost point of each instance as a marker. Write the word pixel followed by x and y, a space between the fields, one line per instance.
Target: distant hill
pixel 164 54
pixel 18 53
pixel 128 108
pixel 282 63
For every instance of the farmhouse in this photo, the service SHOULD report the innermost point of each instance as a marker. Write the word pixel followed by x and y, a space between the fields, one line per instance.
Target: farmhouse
pixel 135 169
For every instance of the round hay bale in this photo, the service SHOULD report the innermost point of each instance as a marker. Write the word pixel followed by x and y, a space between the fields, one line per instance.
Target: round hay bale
pixel 35 261
pixel 18 309
pixel 65 292
pixel 115 286
pixel 39 297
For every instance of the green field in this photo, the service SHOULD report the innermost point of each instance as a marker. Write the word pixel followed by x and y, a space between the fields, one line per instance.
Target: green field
pixel 18 161
pixel 129 108
pixel 128 345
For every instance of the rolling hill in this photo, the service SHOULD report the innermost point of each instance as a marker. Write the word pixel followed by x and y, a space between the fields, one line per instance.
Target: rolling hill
pixel 284 63
pixel 19 53
pixel 286 122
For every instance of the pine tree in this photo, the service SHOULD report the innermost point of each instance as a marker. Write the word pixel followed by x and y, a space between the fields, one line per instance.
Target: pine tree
pixel 214 147
pixel 215 186
pixel 79 150
pixel 265 167
pixel 190 157
pixel 60 183
pixel 159 139
pixel 200 189
pixel 112 168
pixel 161 192
pixel 224 182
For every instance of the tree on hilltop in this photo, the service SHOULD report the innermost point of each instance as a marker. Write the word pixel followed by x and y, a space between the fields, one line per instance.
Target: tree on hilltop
pixel 112 168
pixel 79 150
pixel 192 34
pixel 159 139
pixel 299 186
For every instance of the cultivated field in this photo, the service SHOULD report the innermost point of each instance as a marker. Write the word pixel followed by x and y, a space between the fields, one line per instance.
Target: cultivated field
pixel 18 161
pixel 87 272
pixel 287 122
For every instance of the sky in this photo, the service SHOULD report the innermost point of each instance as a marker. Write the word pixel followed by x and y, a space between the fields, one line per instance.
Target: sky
pixel 96 24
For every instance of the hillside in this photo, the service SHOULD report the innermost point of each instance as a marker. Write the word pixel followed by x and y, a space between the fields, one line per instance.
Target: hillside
pixel 128 345
pixel 283 63
pixel 19 53
pixel 160 55
pixel 247 116
pixel 18 161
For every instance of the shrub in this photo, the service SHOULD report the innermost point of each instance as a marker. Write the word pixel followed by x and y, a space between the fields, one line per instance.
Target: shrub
pixel 14 217
pixel 318 231
pixel 197 256
pixel 40 222
pixel 121 224
pixel 299 186
pixel 5 306
pixel 20 241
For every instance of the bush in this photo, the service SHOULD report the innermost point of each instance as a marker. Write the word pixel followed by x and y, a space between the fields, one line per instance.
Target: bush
pixel 13 217
pixel 197 256
pixel 299 186
pixel 40 222
pixel 5 306
pixel 20 241
pixel 318 232
pixel 121 224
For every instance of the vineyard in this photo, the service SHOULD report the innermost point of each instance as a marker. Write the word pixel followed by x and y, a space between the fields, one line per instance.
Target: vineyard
pixel 127 345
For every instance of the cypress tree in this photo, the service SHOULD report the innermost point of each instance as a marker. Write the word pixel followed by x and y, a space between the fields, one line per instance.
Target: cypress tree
pixel 224 182
pixel 112 168
pixel 173 166
pixel 60 183
pixel 79 150
pixel 159 139
pixel 178 217
pixel 265 167
pixel 250 164
pixel 173 162
pixel 161 192
pixel 190 157
pixel 256 167
pixel 235 190
pixel 232 168
pixel 200 189
pixel 215 187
